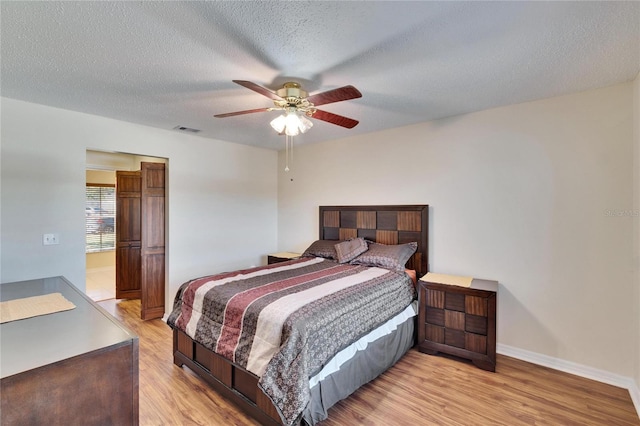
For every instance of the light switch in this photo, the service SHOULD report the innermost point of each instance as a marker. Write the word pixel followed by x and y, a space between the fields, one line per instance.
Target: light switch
pixel 50 239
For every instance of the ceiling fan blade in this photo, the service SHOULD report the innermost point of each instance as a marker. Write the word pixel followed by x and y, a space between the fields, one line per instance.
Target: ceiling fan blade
pixel 336 95
pixel 256 88
pixel 247 111
pixel 332 118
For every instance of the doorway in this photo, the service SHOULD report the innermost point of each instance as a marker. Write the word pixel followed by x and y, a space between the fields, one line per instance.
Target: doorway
pixel 100 234
pixel 102 225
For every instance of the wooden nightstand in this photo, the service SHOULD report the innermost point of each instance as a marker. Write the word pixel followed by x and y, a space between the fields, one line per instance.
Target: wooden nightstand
pixel 281 257
pixel 459 320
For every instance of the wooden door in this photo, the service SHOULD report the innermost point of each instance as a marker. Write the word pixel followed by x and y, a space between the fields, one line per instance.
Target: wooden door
pixel 153 241
pixel 128 235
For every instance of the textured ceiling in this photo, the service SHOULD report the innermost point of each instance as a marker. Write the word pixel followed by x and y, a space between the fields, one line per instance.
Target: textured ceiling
pixel 165 64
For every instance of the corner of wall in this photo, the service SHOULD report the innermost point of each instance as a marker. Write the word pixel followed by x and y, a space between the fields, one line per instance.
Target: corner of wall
pixel 636 232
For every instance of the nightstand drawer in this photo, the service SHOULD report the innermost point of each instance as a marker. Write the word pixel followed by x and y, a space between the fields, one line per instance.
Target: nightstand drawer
pixel 476 324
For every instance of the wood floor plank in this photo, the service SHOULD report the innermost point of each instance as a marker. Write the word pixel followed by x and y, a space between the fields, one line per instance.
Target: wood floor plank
pixel 420 389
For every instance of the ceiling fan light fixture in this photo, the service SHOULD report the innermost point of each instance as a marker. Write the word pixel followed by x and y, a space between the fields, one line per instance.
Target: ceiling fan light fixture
pixel 292 124
pixel 279 123
pixel 305 123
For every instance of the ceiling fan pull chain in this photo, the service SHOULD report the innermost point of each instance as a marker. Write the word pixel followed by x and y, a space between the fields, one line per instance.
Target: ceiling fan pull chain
pixel 286 144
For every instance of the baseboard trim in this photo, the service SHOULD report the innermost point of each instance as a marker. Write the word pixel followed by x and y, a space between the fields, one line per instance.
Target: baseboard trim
pixel 576 369
pixel 634 391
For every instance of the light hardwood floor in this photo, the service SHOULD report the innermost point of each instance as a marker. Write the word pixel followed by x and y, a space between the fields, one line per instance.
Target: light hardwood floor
pixel 101 283
pixel 419 390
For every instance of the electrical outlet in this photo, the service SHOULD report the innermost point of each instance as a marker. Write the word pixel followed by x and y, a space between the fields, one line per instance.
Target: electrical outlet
pixel 50 239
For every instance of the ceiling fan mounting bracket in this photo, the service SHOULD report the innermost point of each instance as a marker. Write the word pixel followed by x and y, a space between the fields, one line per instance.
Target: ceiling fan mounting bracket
pixel 291 89
pixel 292 96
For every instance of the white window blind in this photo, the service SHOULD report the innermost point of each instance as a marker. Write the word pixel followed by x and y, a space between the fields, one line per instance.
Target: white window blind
pixel 100 214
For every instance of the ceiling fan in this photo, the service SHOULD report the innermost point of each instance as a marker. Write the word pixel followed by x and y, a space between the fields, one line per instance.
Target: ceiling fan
pixel 297 104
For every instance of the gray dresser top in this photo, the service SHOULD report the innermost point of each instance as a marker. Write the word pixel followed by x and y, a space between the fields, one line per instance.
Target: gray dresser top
pixel 34 342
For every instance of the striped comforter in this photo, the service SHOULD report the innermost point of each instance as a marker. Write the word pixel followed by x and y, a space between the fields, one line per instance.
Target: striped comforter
pixel 284 321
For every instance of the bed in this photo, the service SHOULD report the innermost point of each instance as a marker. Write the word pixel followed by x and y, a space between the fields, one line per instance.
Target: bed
pixel 287 341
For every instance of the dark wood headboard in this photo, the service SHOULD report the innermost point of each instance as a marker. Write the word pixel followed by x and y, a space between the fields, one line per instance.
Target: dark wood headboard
pixel 382 224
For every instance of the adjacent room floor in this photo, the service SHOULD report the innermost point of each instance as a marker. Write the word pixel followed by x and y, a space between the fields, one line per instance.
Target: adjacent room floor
pixel 101 283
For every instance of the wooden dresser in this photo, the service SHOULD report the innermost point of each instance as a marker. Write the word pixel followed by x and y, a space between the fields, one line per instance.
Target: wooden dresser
pixel 459 321
pixel 76 367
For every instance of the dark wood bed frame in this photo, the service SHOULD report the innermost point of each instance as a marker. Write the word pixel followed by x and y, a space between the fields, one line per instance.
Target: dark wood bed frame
pixel 394 224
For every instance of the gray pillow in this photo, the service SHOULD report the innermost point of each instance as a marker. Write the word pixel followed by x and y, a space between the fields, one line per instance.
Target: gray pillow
pixel 350 249
pixel 322 248
pixel 392 257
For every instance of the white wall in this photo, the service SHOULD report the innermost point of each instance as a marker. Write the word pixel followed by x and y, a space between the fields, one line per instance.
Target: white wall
pixel 112 161
pixel 221 207
pixel 526 194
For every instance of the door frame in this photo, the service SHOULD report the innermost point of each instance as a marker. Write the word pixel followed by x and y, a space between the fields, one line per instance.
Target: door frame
pixel 135 160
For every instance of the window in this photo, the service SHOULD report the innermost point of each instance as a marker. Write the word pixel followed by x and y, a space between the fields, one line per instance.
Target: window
pixel 100 214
